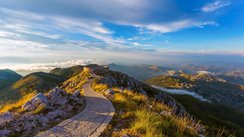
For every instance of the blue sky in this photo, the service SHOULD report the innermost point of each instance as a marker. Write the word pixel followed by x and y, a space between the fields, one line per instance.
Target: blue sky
pixel 147 31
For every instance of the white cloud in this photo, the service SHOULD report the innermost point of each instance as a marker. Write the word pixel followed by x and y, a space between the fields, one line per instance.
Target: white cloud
pixel 45 66
pixel 181 92
pixel 8 34
pixel 24 44
pixel 217 4
pixel 175 26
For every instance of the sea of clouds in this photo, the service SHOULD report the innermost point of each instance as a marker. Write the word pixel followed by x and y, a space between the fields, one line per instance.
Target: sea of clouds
pixel 25 69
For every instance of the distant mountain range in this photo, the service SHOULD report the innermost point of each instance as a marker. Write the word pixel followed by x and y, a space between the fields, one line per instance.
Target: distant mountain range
pixel 212 88
pixel 212 83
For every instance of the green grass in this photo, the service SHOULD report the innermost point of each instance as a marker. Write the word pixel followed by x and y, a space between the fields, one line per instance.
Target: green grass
pixel 14 97
pixel 214 116
pixel 138 115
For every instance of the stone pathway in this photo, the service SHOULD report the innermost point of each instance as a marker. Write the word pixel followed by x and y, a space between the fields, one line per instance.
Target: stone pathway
pixel 91 122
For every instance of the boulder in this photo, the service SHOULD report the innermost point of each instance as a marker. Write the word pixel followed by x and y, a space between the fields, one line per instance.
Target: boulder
pixel 5 133
pixel 109 92
pixel 125 135
pixel 165 113
pixel 58 97
pixel 6 117
pixel 43 120
pixel 56 113
pixel 34 102
pixel 169 101
pixel 77 93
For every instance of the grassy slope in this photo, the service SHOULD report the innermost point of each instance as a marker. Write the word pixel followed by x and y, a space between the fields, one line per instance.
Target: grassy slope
pixel 8 77
pixel 67 72
pixel 70 85
pixel 35 82
pixel 138 115
pixel 213 115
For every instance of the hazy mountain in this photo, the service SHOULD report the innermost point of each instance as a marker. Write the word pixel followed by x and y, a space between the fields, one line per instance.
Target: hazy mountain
pixel 8 77
pixel 212 88
pixel 141 72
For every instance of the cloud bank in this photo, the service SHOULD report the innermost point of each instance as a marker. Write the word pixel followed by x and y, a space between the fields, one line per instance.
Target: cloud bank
pixel 181 92
pixel 45 67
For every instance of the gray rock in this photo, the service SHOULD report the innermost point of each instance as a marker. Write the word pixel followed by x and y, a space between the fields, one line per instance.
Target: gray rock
pixel 6 117
pixel 125 135
pixel 34 102
pixel 168 100
pixel 109 92
pixel 77 93
pixel 5 133
pixel 166 113
pixel 58 97
pixel 43 120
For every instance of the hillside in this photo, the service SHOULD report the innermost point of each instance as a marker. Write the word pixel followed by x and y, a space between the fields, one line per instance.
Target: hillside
pixel 35 82
pixel 213 115
pixel 67 72
pixel 8 77
pixel 140 108
pixel 114 79
pixel 212 88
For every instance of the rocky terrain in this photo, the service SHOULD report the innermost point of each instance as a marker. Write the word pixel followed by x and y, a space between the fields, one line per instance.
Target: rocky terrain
pixel 41 112
pixel 47 108
pixel 123 81
pixel 38 82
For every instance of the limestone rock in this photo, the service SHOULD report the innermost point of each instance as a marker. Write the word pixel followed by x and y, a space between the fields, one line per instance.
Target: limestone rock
pixel 58 97
pixel 4 133
pixel 109 92
pixel 168 100
pixel 6 117
pixel 77 93
pixel 35 102
pixel 43 120
pixel 166 113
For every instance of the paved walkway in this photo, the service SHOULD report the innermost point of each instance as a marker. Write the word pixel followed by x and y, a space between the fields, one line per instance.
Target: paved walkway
pixel 91 122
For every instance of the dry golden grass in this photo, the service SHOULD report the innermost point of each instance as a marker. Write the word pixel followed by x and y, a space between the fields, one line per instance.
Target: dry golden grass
pixel 76 82
pixel 16 106
pixel 138 115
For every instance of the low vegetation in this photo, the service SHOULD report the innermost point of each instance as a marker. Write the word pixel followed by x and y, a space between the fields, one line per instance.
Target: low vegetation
pixel 16 106
pixel 138 115
pixel 76 82
pixel 217 118
pixel 72 84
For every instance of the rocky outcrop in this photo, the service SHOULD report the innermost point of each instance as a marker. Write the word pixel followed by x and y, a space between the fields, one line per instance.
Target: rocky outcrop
pixel 123 81
pixel 171 102
pixel 58 97
pixel 39 99
pixel 58 105
pixel 5 118
pixel 4 133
